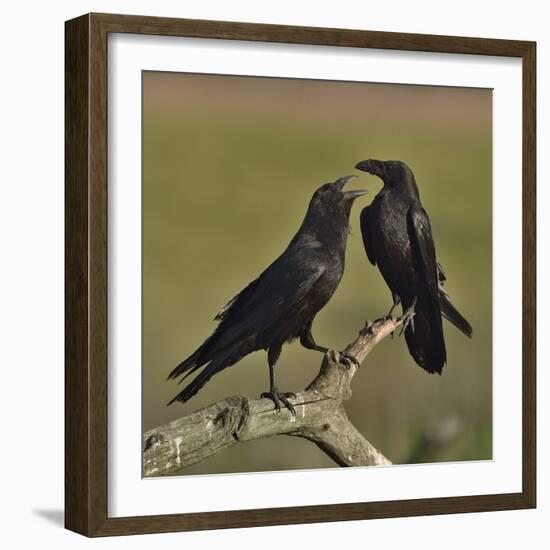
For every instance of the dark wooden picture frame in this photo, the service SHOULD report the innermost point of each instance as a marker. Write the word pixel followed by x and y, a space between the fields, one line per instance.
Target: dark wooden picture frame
pixel 86 284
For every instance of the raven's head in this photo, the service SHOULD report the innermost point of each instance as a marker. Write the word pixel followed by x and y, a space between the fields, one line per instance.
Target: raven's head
pixel 327 216
pixel 331 198
pixel 393 173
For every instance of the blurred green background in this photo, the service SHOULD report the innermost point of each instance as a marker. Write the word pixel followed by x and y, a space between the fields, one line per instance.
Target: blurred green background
pixel 229 165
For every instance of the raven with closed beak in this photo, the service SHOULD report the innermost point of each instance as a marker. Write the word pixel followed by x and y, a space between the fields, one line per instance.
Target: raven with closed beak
pixel 281 304
pixel 398 238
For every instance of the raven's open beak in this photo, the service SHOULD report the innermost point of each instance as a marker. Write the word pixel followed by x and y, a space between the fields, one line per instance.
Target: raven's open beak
pixel 355 193
pixel 341 182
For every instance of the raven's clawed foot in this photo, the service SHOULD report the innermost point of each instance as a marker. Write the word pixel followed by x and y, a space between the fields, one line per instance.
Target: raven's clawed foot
pixel 389 316
pixel 280 397
pixel 408 318
pixel 348 360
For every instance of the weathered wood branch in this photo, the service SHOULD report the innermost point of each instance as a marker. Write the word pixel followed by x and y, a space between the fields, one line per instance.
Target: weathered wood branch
pixel 320 417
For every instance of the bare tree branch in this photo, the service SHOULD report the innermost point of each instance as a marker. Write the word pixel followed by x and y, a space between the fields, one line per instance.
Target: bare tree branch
pixel 320 417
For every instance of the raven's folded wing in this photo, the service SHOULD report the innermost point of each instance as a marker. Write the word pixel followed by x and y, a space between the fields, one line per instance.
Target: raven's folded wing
pixel 425 337
pixel 248 317
pixel 366 232
pixel 240 297
pixel 420 235
pixel 269 300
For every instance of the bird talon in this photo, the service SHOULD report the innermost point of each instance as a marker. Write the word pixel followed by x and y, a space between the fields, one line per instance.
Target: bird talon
pixel 288 405
pixel 301 279
pixel 347 359
pixel 279 398
pixel 397 237
pixel 408 318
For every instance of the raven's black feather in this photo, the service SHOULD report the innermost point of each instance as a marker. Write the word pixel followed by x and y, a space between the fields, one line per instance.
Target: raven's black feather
pixel 398 238
pixel 281 303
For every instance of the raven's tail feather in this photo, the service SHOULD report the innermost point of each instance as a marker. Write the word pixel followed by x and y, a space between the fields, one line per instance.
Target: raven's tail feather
pixel 204 354
pixel 426 342
pixel 451 314
pixel 199 381
pixel 191 363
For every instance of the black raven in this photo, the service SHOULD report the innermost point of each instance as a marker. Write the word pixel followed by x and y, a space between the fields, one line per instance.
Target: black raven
pixel 398 238
pixel 282 302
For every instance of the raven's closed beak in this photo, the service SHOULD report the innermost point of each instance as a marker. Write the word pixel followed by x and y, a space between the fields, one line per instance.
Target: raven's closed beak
pixel 365 165
pixel 341 182
pixel 371 166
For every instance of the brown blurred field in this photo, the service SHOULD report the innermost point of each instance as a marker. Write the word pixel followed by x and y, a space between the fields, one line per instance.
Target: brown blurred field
pixel 229 165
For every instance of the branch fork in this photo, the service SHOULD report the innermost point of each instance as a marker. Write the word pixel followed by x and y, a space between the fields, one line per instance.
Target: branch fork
pixel 320 417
